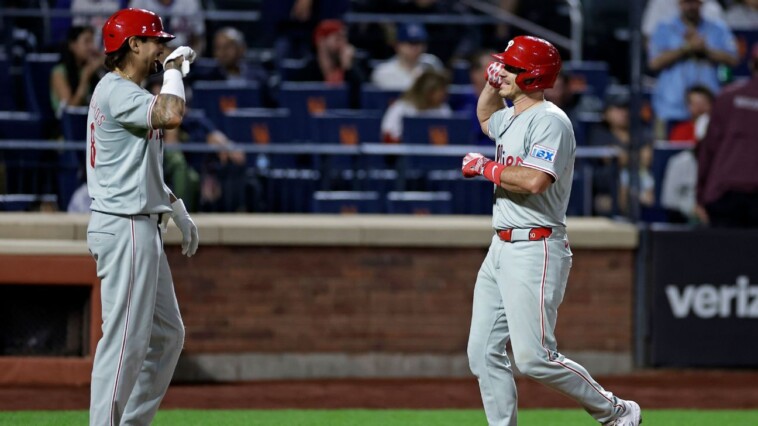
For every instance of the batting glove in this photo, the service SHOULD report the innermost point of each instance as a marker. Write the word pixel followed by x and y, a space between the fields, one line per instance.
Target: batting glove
pixel 475 164
pixel 182 219
pixel 187 53
pixel 493 74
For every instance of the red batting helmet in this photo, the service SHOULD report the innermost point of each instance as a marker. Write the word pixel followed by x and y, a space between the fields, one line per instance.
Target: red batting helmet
pixel 538 58
pixel 131 22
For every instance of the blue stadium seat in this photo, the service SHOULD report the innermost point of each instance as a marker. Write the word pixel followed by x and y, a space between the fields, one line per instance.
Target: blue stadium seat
pixel 289 190
pixel 460 96
pixel 7 102
pixel 219 97
pixel 469 196
pixel 588 77
pixel 344 127
pixel 581 198
pixel 28 173
pixel 455 130
pixel 745 41
pixel 291 68
pixel 460 70
pixel 373 97
pixel 583 124
pixel 418 202
pixel 203 66
pixel 264 126
pixel 71 163
pixel 347 202
pixel 662 153
pixel 306 99
pixel 37 68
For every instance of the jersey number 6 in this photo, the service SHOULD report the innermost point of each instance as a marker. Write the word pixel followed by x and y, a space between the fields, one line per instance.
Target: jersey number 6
pixel 92 150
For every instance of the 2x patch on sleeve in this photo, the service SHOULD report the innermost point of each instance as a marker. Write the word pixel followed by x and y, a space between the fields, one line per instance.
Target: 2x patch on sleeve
pixel 543 153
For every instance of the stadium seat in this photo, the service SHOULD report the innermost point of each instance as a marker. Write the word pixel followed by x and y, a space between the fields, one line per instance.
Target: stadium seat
pixel 264 126
pixel 7 102
pixel 460 96
pixel 745 41
pixel 344 127
pixel 309 98
pixel 37 68
pixel 219 97
pixel 588 77
pixel 28 172
pixel 662 153
pixel 580 200
pixel 455 130
pixel 583 125
pixel 469 196
pixel 373 97
pixel 290 69
pixel 420 203
pixel 71 163
pixel 289 190
pixel 346 202
pixel 460 70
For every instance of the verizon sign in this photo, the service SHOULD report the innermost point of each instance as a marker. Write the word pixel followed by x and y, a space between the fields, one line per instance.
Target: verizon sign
pixel 739 300
pixel 700 307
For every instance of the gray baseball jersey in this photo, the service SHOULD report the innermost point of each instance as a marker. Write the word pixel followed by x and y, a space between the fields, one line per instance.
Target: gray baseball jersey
pixel 125 154
pixel 143 331
pixel 541 138
pixel 521 283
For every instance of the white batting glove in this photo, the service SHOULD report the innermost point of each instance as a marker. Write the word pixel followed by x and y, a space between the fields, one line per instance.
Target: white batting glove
pixel 182 219
pixel 493 74
pixel 189 57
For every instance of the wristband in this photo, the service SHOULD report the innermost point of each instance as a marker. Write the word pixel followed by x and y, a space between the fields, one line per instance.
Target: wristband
pixel 173 84
pixel 492 172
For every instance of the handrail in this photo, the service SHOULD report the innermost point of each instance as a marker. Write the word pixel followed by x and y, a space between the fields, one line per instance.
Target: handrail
pixel 305 148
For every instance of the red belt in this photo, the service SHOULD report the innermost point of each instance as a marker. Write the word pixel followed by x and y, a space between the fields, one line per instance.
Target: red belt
pixel 535 234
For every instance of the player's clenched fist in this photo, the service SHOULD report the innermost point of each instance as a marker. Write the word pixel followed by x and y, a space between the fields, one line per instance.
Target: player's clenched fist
pixel 493 74
pixel 188 56
pixel 475 164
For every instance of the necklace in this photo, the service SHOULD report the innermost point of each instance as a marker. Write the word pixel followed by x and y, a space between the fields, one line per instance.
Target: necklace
pixel 124 75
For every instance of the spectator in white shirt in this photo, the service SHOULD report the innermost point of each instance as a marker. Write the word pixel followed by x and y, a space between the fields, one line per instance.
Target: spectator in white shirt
pixel 743 15
pixel 657 11
pixel 427 97
pixel 409 62
pixel 182 18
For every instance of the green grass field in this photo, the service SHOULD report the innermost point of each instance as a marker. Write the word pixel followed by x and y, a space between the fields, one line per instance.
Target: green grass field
pixel 385 418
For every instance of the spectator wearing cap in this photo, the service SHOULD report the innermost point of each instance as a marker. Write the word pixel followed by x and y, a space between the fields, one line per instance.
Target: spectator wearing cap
pixel 609 177
pixel 410 60
pixel 727 185
pixel 686 51
pixel 333 60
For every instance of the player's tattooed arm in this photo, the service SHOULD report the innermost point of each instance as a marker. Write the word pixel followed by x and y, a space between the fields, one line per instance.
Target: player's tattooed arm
pixel 168 112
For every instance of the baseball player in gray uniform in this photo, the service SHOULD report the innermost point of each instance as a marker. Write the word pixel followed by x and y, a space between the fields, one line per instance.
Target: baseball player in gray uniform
pixel 523 277
pixel 143 332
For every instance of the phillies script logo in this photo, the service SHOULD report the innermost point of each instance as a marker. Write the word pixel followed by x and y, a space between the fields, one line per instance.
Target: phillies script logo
pixel 507 160
pixel 715 300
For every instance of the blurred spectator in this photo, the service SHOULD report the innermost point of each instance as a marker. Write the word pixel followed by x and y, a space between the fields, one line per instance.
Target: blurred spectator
pixel 686 51
pixel 229 49
pixel 288 25
pixel 223 185
pixel 333 60
pixel 699 102
pixel 427 96
pixel 562 96
pixel 478 64
pixel 182 18
pixel 680 179
pixel 658 11
pixel 74 78
pixel 410 60
pixel 727 185
pixel 610 175
pixel 743 15
pixel 94 13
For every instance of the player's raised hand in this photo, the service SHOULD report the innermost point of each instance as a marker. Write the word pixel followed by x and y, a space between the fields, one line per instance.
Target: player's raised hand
pixel 475 164
pixel 182 219
pixel 493 74
pixel 188 56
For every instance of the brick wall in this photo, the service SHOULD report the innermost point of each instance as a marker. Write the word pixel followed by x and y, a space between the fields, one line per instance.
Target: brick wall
pixel 355 299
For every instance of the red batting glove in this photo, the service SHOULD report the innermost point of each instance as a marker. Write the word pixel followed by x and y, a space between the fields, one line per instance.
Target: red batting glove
pixel 493 74
pixel 475 164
